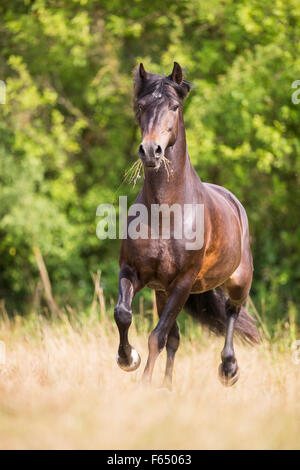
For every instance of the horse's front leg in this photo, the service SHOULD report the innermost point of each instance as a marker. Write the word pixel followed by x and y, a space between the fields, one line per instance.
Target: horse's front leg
pixel 171 347
pixel 127 358
pixel 172 342
pixel 159 336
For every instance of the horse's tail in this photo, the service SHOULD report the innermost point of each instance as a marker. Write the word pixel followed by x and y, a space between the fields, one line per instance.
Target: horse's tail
pixel 209 309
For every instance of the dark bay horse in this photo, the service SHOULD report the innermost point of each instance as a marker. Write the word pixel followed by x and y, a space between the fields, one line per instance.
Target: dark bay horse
pixel 211 283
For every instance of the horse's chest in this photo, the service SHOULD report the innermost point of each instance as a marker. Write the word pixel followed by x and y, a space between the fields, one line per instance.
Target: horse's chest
pixel 157 261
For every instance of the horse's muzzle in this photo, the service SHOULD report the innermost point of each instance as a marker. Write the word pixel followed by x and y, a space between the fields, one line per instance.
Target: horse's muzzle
pixel 150 153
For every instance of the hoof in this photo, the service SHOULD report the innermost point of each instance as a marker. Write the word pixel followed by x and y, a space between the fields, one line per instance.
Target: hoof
pixel 165 388
pixel 166 385
pixel 229 374
pixel 134 363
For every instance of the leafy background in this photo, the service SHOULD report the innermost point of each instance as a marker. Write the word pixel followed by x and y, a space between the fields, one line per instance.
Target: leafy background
pixel 67 132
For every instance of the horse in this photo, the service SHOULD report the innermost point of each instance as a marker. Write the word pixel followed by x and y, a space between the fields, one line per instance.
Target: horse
pixel 212 282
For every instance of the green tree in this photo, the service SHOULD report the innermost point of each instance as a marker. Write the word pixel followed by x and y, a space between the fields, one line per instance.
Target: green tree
pixel 67 131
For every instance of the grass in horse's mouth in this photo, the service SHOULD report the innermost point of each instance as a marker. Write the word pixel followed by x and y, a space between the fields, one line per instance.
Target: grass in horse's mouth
pixel 168 167
pixel 134 172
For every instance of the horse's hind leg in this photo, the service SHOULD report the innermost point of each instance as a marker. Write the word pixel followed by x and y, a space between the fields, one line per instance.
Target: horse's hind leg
pixel 127 358
pixel 237 286
pixel 172 342
pixel 228 369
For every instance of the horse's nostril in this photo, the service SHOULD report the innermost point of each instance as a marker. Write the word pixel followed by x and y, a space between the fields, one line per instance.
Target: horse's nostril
pixel 158 151
pixel 141 151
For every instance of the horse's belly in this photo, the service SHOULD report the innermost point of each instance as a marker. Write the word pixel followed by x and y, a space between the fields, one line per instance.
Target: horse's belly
pixel 214 273
pixel 204 284
pixel 156 285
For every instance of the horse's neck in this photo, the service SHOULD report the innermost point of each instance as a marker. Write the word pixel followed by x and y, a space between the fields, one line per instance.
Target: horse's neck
pixel 169 184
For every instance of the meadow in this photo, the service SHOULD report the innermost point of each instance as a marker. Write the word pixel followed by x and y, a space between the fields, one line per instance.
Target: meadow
pixel 62 389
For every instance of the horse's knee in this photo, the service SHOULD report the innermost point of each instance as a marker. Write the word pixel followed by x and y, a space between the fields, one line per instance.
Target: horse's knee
pixel 238 286
pixel 232 308
pixel 157 341
pixel 123 316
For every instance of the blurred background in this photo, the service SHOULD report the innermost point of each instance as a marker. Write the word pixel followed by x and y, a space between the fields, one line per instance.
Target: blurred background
pixel 68 134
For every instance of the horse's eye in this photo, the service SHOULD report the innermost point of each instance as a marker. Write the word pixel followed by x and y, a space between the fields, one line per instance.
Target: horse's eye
pixel 141 107
pixel 174 107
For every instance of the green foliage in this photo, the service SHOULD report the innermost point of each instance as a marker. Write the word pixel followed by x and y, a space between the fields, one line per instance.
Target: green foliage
pixel 67 131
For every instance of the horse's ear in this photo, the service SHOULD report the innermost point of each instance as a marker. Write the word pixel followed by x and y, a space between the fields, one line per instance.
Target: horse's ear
pixel 140 77
pixel 142 72
pixel 177 75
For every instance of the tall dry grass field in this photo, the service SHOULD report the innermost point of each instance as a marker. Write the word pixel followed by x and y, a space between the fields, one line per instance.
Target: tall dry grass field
pixel 61 389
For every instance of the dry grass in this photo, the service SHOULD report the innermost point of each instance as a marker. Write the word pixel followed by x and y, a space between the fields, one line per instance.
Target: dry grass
pixel 61 389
